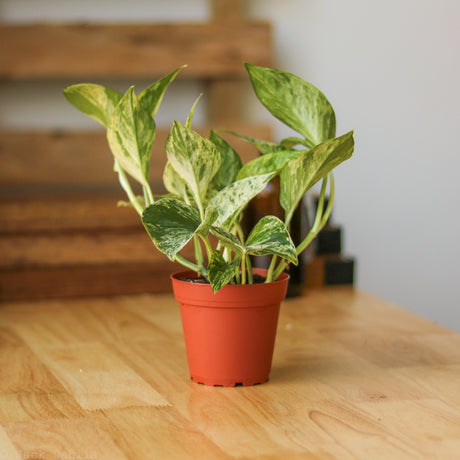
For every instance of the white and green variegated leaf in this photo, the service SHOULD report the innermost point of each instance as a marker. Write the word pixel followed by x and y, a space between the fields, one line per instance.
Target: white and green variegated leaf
pixel 173 183
pixel 268 163
pixel 152 96
pixel 209 218
pixel 131 134
pixel 270 236
pixel 291 142
pixel 295 102
pixel 188 123
pixel 230 163
pixel 228 240
pixel 262 146
pixel 194 158
pixel 171 224
pixel 220 272
pixel 231 201
pixel 301 173
pixel 96 101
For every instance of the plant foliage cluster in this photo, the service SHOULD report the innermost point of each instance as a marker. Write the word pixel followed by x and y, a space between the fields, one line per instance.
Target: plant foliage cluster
pixel 208 186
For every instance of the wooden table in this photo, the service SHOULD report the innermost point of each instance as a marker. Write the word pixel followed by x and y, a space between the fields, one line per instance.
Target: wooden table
pixel 353 378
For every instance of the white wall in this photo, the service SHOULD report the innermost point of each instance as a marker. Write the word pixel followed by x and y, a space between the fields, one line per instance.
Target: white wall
pixel 391 70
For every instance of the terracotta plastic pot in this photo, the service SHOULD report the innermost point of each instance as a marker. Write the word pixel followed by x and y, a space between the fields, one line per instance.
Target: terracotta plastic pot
pixel 230 335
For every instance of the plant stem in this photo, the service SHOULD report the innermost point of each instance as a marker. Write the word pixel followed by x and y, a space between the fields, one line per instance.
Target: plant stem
pixel 127 187
pixel 148 195
pixel 320 218
pixel 208 247
pixel 240 233
pixel 243 270
pixel 198 253
pixel 271 268
pixel 330 202
pixel 249 269
pixel 237 277
pixel 190 265
pixel 318 224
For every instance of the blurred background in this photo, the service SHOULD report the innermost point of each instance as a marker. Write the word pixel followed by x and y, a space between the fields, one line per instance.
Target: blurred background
pixel 391 71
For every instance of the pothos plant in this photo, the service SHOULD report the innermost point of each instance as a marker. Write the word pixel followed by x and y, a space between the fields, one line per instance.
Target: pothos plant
pixel 208 186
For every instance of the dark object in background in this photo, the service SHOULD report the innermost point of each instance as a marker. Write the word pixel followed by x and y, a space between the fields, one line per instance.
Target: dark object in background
pixel 327 266
pixel 329 240
pixel 298 230
pixel 330 270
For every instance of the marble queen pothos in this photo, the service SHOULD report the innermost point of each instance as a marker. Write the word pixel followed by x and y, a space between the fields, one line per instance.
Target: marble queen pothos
pixel 208 186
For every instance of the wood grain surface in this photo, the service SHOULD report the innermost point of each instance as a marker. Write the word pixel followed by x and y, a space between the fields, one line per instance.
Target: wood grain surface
pixel 353 377
pixel 211 50
pixel 66 160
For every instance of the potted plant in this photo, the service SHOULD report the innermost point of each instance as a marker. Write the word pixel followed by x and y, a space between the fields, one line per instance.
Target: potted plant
pixel 229 310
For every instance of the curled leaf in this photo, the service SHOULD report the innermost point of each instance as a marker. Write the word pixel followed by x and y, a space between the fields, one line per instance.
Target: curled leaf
pixel 220 271
pixel 171 224
pixel 301 173
pixel 131 134
pixel 152 96
pixel 96 101
pixel 270 236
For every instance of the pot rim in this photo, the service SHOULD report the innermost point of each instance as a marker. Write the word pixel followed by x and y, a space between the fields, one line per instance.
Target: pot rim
pixel 257 271
pixel 231 295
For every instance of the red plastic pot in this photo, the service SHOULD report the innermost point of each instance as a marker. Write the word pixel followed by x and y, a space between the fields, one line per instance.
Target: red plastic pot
pixel 230 335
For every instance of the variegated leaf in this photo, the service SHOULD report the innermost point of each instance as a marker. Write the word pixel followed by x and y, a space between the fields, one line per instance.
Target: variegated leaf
pixel 270 236
pixel 221 272
pixel 209 218
pixel 227 239
pixel 194 158
pixel 96 101
pixel 300 174
pixel 171 224
pixel 268 163
pixel 230 201
pixel 230 163
pixel 131 134
pixel 291 142
pixel 295 102
pixel 262 146
pixel 152 96
pixel 173 182
pixel 188 123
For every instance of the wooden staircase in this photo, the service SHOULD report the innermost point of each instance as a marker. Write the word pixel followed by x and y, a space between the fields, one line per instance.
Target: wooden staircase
pixel 61 233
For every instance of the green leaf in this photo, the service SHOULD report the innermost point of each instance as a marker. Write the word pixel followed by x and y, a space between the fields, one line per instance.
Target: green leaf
pixel 209 218
pixel 230 163
pixel 152 96
pixel 230 201
pixel 270 236
pixel 171 224
pixel 173 182
pixel 290 142
pixel 262 146
pixel 270 162
pixel 188 123
pixel 295 102
pixel 194 158
pixel 221 272
pixel 301 173
pixel 228 240
pixel 131 134
pixel 96 101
